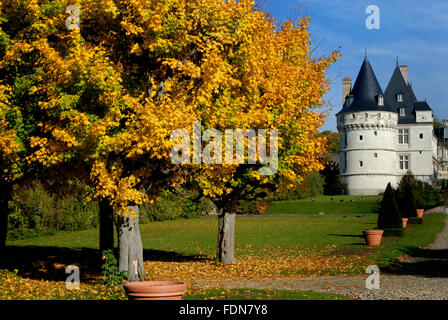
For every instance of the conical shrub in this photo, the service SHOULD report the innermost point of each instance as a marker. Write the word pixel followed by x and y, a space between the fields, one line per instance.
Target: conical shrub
pixel 408 207
pixel 389 216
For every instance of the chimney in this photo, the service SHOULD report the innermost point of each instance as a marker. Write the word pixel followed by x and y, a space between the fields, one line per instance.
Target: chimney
pixel 445 122
pixel 346 88
pixel 404 72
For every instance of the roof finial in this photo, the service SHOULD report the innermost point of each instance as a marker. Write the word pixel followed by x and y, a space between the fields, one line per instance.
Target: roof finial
pixel 397 61
pixel 366 52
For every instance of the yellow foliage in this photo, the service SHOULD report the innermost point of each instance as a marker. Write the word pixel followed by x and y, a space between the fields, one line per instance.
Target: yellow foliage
pixel 112 95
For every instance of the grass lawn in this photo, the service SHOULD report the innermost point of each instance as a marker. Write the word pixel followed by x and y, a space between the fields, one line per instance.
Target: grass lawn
pixel 267 247
pixel 253 235
pixel 255 294
pixel 339 205
pixel 297 236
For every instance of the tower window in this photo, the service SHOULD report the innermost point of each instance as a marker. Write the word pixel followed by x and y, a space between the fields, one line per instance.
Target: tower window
pixel 360 138
pixel 400 97
pixel 379 115
pixel 375 155
pixel 345 140
pixel 375 133
pixel 404 162
pixel 402 112
pixel 354 116
pixel 421 135
pixel 403 136
pixel 366 115
pixel 361 163
pixel 380 100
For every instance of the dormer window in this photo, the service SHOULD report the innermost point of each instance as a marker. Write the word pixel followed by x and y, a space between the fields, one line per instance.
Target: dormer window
pixel 400 97
pixel 380 100
pixel 402 112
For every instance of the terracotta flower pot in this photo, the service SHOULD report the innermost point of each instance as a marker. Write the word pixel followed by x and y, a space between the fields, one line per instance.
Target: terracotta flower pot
pixel 155 290
pixel 405 222
pixel 420 213
pixel 373 237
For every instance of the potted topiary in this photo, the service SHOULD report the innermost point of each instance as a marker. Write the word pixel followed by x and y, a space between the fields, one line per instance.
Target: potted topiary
pixel 419 203
pixel 389 217
pixel 409 194
pixel 408 206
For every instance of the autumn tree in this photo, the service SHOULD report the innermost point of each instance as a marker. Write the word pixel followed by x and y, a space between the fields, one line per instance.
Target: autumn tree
pixel 107 97
pixel 270 81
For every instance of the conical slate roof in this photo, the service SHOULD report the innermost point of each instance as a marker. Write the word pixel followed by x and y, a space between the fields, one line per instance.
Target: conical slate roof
pixel 365 92
pixel 398 85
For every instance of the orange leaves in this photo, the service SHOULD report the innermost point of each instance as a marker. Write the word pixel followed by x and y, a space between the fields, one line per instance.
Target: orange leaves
pixel 13 287
pixel 271 265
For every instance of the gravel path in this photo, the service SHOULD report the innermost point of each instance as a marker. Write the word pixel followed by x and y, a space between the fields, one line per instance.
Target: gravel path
pixel 422 276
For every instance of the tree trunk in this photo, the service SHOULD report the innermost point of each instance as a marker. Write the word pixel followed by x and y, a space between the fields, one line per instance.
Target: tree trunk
pixel 226 236
pixel 106 226
pixel 130 248
pixel 5 197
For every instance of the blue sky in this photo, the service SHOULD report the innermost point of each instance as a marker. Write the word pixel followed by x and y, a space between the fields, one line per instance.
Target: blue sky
pixel 414 30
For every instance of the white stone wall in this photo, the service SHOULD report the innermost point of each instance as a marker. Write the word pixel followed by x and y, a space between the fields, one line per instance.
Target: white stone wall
pixel 423 116
pixel 419 149
pixel 379 150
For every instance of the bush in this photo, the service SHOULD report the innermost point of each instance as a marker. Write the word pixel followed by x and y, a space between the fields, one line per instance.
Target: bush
pixel 426 196
pixel 35 211
pixel 389 216
pixel 112 277
pixel 169 206
pixel 311 186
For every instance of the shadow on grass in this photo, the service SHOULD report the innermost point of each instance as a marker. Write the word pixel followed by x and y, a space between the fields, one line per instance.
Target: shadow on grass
pixel 49 263
pixel 355 236
pixel 431 263
pixel 347 235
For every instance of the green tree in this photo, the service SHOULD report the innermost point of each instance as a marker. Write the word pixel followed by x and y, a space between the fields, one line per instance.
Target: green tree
pixel 334 185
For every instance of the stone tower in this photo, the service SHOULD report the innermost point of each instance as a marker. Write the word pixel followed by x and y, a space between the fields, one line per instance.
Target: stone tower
pixel 368 131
